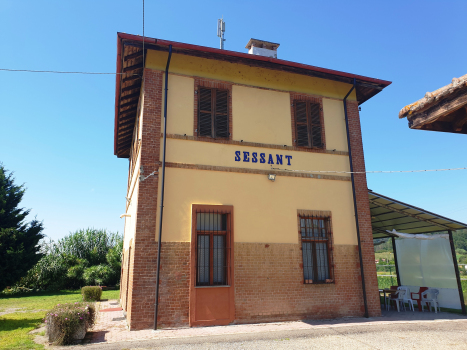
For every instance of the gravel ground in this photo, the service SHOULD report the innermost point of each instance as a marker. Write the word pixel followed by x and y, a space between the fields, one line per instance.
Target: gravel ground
pixel 421 335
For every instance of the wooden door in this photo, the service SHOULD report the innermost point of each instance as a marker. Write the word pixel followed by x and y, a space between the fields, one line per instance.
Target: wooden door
pixel 211 283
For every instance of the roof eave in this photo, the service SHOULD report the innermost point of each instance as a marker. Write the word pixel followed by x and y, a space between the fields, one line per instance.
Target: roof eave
pixel 372 86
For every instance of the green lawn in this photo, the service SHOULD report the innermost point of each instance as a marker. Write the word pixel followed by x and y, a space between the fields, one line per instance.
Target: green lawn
pixel 14 327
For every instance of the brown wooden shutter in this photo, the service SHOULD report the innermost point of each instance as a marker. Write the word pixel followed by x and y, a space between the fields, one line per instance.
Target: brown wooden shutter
pixel 301 124
pixel 315 124
pixel 221 121
pixel 205 112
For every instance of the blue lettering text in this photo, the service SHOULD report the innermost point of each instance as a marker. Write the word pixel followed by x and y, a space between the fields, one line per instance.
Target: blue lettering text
pixel 254 159
pixel 270 161
pixel 237 156
pixel 246 156
pixel 262 159
pixel 288 159
pixel 279 159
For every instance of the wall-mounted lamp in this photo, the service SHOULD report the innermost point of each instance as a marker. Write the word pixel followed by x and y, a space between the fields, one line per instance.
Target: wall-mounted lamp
pixel 125 215
pixel 272 177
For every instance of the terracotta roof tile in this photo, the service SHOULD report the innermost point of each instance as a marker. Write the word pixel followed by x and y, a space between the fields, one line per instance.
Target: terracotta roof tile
pixel 432 97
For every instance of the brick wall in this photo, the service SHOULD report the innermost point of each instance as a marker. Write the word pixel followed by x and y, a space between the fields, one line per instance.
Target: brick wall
pixel 269 284
pixel 363 209
pixel 267 288
pixel 174 290
pixel 143 260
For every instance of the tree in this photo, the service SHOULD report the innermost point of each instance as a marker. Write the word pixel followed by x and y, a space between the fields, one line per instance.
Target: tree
pixel 89 256
pixel 460 239
pixel 19 240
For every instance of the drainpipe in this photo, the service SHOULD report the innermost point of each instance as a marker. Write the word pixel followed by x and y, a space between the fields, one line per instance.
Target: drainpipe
pixel 354 197
pixel 162 188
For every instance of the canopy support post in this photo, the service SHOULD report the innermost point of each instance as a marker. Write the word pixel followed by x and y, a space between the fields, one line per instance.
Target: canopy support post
pixel 456 269
pixel 395 260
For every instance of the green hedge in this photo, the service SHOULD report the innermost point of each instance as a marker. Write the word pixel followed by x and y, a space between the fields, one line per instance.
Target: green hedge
pixel 387 281
pixel 91 293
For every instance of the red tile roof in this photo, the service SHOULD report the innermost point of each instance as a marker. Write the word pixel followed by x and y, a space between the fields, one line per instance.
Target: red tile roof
pixel 432 98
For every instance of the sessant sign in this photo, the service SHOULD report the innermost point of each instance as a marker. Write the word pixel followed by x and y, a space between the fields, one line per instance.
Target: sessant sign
pixel 262 158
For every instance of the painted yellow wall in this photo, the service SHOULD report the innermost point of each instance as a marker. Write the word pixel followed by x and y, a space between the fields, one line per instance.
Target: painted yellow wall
pixel 334 125
pixel 208 153
pixel 130 222
pixel 132 194
pixel 180 111
pixel 264 211
pixel 243 74
pixel 261 116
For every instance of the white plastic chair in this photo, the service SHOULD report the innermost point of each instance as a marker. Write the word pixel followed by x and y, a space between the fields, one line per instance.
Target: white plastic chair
pixel 431 296
pixel 399 297
pixel 406 297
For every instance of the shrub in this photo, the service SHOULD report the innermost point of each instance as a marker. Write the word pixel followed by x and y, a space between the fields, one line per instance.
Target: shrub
pixel 98 275
pixel 15 290
pixel 65 320
pixel 114 256
pixel 91 293
pixel 386 281
pixel 66 263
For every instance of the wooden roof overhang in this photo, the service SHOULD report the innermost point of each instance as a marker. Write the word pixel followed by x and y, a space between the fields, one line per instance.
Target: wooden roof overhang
pixel 129 61
pixel 389 214
pixel 442 110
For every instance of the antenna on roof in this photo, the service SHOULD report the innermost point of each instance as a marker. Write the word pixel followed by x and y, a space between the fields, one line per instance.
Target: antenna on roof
pixel 221 31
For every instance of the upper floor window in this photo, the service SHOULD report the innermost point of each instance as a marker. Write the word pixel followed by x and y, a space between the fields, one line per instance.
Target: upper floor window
pixel 308 124
pixel 213 113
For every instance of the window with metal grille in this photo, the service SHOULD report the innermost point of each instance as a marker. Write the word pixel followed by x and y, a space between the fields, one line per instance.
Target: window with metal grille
pixel 316 240
pixel 213 113
pixel 213 230
pixel 308 128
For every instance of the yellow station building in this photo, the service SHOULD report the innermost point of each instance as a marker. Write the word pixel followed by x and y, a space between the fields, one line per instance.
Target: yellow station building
pixel 253 175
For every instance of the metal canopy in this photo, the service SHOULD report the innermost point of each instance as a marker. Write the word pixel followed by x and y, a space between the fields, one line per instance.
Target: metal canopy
pixel 389 214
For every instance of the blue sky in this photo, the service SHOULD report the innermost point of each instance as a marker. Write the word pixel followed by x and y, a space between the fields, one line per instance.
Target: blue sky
pixel 56 130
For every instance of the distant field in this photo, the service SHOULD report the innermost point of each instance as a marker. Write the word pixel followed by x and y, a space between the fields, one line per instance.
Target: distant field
pixel 386 256
pixel 386 282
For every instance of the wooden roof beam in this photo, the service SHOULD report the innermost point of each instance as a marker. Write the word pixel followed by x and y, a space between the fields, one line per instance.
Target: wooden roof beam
pixel 128 122
pixel 130 96
pixel 127 104
pixel 134 55
pixel 461 120
pixel 133 67
pixel 132 87
pixel 128 111
pixel 439 110
pixel 125 139
pixel 131 78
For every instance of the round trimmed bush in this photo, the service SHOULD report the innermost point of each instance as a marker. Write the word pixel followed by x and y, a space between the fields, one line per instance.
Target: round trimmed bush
pixel 91 293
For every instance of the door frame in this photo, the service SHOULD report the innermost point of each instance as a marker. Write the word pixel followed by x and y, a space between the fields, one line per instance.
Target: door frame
pixel 225 209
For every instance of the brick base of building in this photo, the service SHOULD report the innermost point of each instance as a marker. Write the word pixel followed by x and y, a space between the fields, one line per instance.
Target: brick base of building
pixel 268 286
